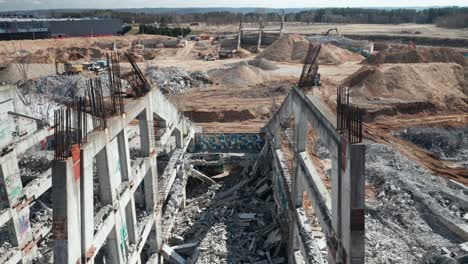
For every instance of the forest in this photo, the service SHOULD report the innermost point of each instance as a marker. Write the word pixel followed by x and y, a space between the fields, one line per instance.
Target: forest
pixel 450 17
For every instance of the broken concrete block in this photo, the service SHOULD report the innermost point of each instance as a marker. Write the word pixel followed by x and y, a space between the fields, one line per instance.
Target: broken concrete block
pixel 272 238
pixel 185 248
pixel 247 216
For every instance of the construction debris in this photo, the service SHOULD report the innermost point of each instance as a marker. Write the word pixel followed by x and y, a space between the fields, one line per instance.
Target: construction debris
pixel 177 80
pixel 232 224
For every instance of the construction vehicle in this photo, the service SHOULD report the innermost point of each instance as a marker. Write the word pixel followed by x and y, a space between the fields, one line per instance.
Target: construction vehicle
pixel 361 51
pixel 310 76
pixel 72 69
pixel 330 30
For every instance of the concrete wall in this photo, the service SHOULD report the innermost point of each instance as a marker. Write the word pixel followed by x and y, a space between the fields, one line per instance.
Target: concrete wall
pixel 340 211
pixel 76 28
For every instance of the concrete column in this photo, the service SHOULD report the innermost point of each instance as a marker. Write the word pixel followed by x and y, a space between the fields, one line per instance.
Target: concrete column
pixel 11 196
pixel 125 166
pixel 336 195
pixel 300 128
pixel 144 133
pixel 277 139
pixel 260 36
pixel 109 174
pixel 353 204
pixel 66 212
pixel 298 187
pixel 239 40
pixel 87 202
pixel 178 138
pixel 11 188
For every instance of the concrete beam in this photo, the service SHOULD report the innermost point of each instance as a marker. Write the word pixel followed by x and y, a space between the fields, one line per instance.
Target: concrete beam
pixel 171 256
pixel 66 212
pixel 320 198
pixel 201 176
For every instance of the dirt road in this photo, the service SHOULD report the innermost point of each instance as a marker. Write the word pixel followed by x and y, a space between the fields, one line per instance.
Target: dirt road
pixel 381 132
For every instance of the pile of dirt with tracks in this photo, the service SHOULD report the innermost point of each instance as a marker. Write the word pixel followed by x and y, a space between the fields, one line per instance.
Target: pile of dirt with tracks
pixel 263 64
pixel 403 54
pixel 294 48
pixel 240 75
pixel 62 55
pixel 439 83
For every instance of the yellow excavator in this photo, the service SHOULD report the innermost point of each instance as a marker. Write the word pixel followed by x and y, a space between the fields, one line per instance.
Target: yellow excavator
pixel 330 30
pixel 73 68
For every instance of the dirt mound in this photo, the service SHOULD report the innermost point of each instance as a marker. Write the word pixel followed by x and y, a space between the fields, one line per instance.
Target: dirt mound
pixel 263 64
pixel 62 55
pixel 241 75
pixel 419 55
pixel 40 56
pixel 288 48
pixel 294 48
pixel 439 83
pixel 108 44
pixel 331 54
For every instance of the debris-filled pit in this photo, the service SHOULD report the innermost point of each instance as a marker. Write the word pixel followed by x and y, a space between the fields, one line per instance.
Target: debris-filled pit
pixel 411 218
pixel 231 221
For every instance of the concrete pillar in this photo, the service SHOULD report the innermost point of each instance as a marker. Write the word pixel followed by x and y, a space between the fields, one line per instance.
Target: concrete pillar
pixel 109 174
pixel 66 212
pixel 298 187
pixel 336 189
pixel 87 201
pixel 178 138
pixel 282 25
pixel 144 133
pixel 300 128
pixel 11 196
pixel 353 204
pixel 125 166
pixel 239 40
pixel 336 194
pixel 11 188
pixel 260 33
pixel 277 139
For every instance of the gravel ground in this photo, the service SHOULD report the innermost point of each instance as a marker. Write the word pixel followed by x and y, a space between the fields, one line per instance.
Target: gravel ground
pixel 400 227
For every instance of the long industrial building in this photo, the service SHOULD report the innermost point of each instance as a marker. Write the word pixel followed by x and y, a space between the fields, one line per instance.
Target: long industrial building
pixel 33 28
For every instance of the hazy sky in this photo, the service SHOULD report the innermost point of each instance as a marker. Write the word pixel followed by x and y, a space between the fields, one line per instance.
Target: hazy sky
pixel 46 4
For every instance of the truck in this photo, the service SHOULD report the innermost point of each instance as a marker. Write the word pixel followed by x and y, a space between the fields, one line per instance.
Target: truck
pixel 72 69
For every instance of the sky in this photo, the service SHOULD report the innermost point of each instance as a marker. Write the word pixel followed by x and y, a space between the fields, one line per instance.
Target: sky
pixel 53 4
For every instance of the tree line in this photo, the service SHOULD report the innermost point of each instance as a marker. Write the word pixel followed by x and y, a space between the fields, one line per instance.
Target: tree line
pixel 452 17
pixel 164 30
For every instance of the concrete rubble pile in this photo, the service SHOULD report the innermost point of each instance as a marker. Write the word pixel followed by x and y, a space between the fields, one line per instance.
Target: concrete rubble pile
pixel 339 41
pixel 236 223
pixel 65 86
pixel 177 80
pixel 447 144
pixel 33 165
pixel 403 223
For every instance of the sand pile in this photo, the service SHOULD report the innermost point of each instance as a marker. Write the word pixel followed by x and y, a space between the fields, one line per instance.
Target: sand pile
pixel 331 54
pixel 263 64
pixel 62 55
pixel 241 75
pixel 294 48
pixel 439 83
pixel 404 54
pixel 108 44
pixel 288 48
pixel 40 56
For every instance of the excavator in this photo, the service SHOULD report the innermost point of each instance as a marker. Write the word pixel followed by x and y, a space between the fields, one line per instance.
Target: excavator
pixel 327 33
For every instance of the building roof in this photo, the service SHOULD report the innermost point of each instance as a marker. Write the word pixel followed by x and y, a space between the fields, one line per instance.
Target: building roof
pixel 15 19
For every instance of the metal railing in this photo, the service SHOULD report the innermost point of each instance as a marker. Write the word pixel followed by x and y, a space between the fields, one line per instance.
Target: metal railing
pixel 349 117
